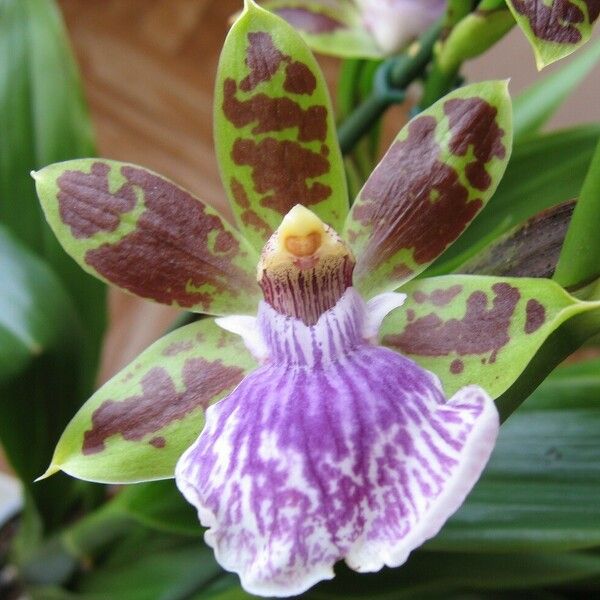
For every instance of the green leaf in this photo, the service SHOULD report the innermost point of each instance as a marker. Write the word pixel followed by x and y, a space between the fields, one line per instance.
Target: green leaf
pixel 173 573
pixel 138 230
pixel 543 171
pixel 43 119
pixel 433 181
pixel 274 131
pixel 136 426
pixel 540 490
pixel 534 106
pixel 478 330
pixel 429 573
pixel 158 505
pixel 333 28
pixel 579 261
pixel 529 250
pixel 555 28
pixel 40 384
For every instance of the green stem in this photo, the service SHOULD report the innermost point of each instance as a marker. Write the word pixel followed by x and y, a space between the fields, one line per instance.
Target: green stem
pixel 391 79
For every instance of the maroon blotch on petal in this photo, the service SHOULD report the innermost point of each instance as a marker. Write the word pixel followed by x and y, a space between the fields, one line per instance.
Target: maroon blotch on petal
pixel 556 22
pixel 535 316
pixel 248 216
pixel 473 125
pixel 168 254
pixel 159 403
pixel 440 297
pixel 262 58
pixel 482 330
pixel 397 201
pixel 281 169
pixel 299 79
pixel 87 206
pixel 274 114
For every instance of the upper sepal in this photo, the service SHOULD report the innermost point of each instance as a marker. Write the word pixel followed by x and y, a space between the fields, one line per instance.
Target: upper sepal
pixel 275 136
pixel 555 28
pixel 136 426
pixel 135 229
pixel 433 181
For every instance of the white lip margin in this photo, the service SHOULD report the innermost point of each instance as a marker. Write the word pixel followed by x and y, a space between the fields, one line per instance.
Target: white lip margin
pixel 11 497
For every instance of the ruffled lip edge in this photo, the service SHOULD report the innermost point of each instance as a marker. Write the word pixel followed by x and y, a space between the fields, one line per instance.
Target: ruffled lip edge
pixel 476 451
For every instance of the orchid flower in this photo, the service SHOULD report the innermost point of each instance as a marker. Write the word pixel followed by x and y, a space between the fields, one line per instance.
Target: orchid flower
pixel 325 437
pixel 377 28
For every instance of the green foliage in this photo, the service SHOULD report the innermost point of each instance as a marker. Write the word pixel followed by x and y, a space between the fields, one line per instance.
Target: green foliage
pixel 536 105
pixel 43 119
pixel 579 262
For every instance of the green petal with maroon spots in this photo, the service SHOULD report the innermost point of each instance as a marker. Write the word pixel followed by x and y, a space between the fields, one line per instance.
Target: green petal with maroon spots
pixel 477 329
pixel 274 131
pixel 136 426
pixel 555 28
pixel 334 28
pixel 135 229
pixel 438 174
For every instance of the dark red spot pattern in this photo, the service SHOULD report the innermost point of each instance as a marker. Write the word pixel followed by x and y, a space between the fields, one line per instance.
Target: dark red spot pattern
pixel 440 297
pixel 483 329
pixel 86 204
pixel 168 256
pixel 248 216
pixel 535 316
pixel 159 403
pixel 412 201
pixel 281 170
pixel 473 125
pixel 557 22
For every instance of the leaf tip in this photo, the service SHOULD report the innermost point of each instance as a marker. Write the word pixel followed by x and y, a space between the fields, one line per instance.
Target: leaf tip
pixel 51 470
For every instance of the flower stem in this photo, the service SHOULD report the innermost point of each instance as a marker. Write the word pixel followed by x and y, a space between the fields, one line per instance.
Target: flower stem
pixel 391 79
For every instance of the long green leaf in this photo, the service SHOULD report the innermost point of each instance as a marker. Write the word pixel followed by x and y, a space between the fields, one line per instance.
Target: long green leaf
pixel 534 106
pixel 579 261
pixel 43 119
pixel 40 341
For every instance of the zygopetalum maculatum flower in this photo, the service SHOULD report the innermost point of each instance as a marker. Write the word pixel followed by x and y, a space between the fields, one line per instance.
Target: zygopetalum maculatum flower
pixel 332 438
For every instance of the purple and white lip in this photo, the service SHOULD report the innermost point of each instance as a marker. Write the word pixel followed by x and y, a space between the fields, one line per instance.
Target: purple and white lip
pixel 334 448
